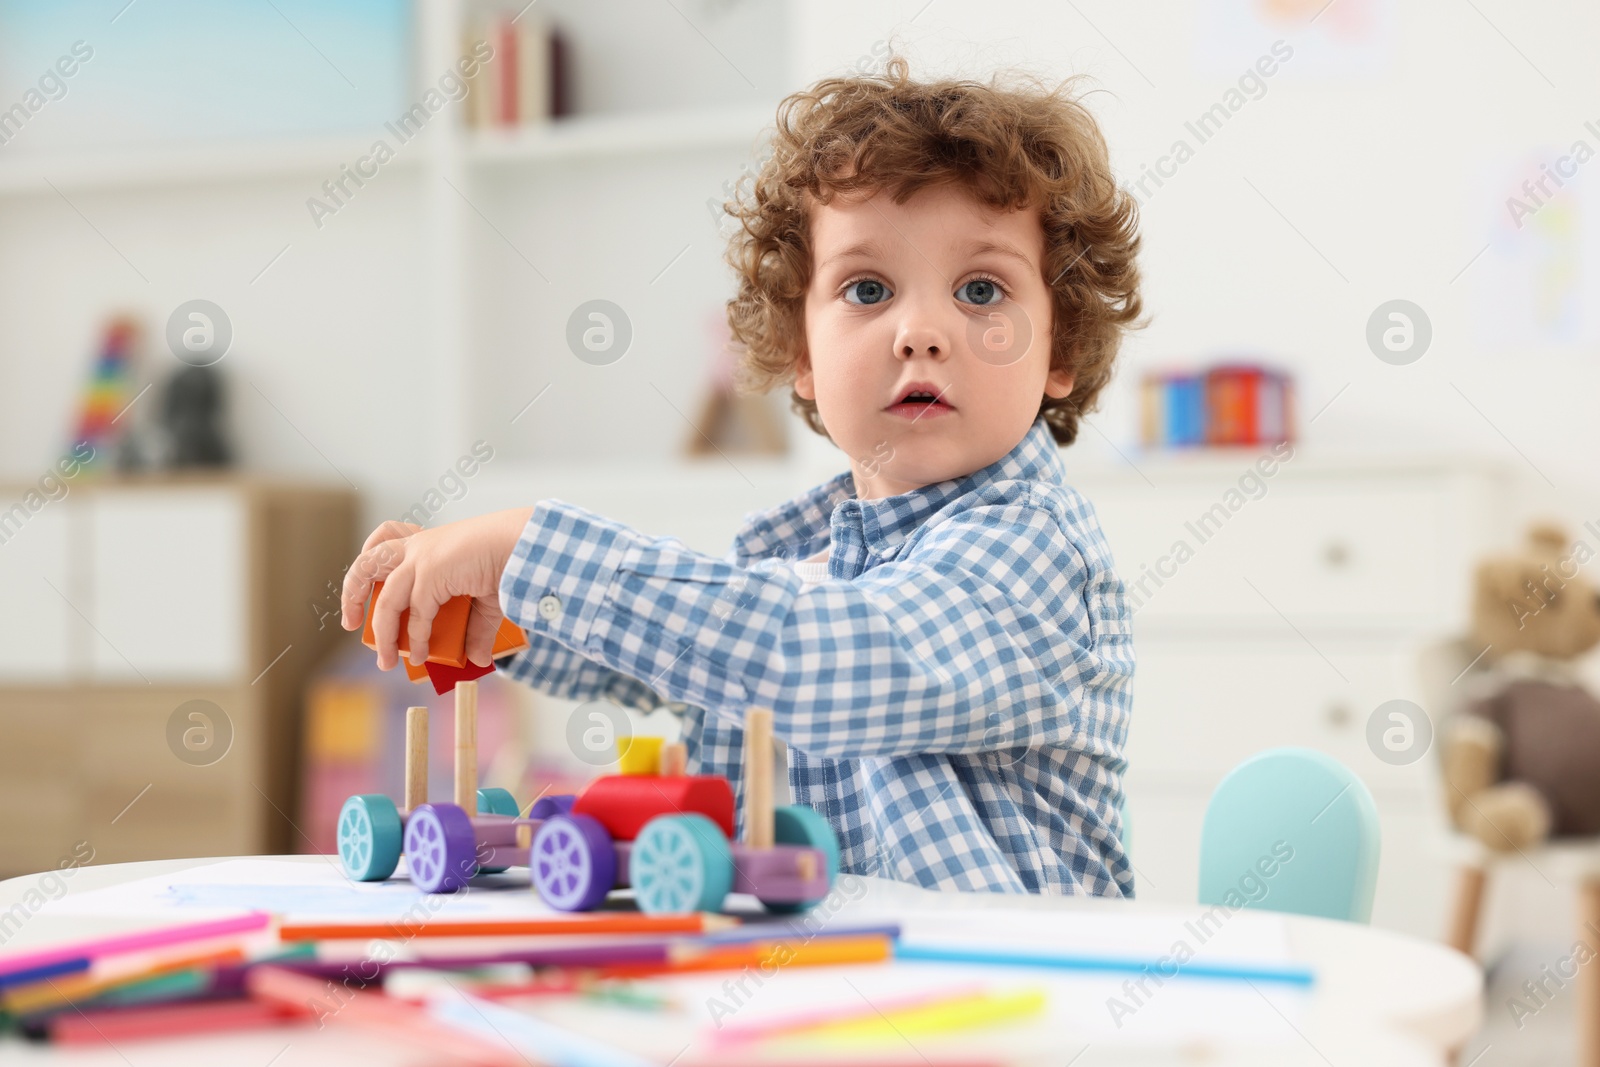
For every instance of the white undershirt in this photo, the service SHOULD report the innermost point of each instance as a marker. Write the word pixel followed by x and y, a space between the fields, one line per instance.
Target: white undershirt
pixel 813 570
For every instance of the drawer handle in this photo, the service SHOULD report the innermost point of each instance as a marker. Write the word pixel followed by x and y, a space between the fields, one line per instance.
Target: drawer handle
pixel 1336 555
pixel 1338 716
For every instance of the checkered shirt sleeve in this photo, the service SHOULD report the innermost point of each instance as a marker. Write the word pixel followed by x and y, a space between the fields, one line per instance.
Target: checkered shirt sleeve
pixel 957 710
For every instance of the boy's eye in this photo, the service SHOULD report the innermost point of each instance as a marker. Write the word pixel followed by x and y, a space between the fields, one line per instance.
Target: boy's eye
pixel 979 291
pixel 866 291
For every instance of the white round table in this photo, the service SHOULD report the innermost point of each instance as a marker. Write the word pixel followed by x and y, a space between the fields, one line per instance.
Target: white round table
pixel 1380 997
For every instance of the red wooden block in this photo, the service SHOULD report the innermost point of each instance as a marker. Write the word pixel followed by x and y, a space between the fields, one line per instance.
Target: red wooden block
pixel 625 802
pixel 444 677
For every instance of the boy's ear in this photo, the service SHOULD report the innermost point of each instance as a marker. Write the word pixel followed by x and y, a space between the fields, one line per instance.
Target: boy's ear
pixel 1059 384
pixel 804 387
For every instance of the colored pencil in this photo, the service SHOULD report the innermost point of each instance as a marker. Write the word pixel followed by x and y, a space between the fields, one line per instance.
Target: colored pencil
pixel 366 970
pixel 810 1020
pixel 396 1019
pixel 984 1009
pixel 584 925
pixel 80 988
pixel 789 931
pixel 13 966
pixel 633 950
pixel 766 956
pixel 54 968
pixel 530 1035
pixel 109 1025
pixel 1288 975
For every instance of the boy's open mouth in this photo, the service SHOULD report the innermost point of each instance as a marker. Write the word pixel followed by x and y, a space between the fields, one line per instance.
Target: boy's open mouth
pixel 921 399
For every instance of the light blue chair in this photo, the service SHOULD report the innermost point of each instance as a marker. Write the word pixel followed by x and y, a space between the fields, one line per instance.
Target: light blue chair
pixel 1294 830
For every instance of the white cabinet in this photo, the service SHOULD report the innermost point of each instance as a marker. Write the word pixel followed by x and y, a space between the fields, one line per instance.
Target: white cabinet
pixel 115 585
pixel 166 572
pixel 1287 619
pixel 38 626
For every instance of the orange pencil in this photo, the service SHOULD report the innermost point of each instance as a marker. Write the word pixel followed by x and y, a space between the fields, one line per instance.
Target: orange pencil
pixel 767 956
pixel 579 925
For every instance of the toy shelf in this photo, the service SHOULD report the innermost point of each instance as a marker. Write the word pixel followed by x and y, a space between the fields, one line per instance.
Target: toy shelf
pixel 248 160
pixel 602 136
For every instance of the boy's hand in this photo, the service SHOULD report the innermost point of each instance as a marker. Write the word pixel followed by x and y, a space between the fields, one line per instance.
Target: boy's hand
pixel 421 569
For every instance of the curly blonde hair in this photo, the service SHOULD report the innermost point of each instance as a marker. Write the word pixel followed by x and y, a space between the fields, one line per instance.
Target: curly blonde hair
pixel 1010 147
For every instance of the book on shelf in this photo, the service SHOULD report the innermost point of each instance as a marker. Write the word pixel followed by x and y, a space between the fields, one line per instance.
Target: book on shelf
pixel 1231 404
pixel 524 81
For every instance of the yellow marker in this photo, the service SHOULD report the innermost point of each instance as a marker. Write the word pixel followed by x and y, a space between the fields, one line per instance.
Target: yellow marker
pixel 638 755
pixel 980 1009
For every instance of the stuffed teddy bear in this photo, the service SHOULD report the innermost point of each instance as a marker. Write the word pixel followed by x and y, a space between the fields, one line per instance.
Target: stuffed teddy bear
pixel 1522 764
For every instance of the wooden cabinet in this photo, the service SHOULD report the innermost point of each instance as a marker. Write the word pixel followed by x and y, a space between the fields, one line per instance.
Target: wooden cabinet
pixel 154 645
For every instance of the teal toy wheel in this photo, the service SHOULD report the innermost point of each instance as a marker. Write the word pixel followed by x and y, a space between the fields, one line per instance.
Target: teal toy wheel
pixel 679 864
pixel 493 800
pixel 796 824
pixel 369 837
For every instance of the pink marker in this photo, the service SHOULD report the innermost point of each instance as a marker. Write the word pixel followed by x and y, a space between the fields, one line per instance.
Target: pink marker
pixel 144 939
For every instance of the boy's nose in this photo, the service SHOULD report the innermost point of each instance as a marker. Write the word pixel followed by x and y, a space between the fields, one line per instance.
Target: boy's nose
pixel 921 341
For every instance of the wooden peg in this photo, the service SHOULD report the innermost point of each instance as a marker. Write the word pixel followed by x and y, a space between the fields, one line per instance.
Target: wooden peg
pixel 416 758
pixel 759 831
pixel 674 759
pixel 467 747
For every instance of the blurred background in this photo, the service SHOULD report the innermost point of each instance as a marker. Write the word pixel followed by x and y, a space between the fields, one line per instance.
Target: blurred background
pixel 272 272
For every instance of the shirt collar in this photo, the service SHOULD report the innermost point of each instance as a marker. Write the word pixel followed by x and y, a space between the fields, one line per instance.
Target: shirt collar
pixel 801 527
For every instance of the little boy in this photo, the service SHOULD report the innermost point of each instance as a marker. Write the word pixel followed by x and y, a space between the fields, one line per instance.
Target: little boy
pixel 943 273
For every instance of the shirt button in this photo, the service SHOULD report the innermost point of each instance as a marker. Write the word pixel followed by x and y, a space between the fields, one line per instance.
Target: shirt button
pixel 549 607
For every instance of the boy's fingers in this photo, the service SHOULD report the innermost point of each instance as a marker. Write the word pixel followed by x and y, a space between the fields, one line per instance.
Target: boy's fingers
pixel 386 611
pixel 372 565
pixel 426 598
pixel 389 531
pixel 482 624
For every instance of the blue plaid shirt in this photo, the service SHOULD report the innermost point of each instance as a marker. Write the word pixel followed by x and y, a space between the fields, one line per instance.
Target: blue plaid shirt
pixel 955 696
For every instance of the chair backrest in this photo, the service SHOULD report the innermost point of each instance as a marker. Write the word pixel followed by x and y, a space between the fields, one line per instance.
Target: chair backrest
pixel 1291 829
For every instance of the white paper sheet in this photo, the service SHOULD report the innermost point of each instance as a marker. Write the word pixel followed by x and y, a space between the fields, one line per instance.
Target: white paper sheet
pixel 302 892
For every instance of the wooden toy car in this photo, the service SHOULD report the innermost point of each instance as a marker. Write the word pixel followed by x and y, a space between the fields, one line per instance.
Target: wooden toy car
pixel 667 837
pixel 664 834
pixel 444 846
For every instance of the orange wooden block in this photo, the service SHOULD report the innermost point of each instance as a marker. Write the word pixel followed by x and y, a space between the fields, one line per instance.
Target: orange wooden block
pixel 508 639
pixel 447 641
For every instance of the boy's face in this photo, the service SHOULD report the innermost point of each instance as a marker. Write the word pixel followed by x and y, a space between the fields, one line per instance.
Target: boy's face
pixel 940 293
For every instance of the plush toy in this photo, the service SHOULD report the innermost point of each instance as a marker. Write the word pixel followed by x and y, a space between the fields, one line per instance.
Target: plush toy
pixel 1522 763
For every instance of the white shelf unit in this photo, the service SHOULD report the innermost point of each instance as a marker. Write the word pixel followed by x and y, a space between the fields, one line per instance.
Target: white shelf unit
pixel 466 182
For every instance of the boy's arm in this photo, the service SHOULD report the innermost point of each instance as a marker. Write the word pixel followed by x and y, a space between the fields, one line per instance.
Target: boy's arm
pixel 983 638
pixel 553 668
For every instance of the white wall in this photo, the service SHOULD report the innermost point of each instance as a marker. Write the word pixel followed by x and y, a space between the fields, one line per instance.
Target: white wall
pixel 1383 174
pixel 324 342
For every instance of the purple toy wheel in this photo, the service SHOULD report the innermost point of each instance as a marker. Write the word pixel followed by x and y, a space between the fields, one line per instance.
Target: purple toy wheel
pixel 441 848
pixel 572 862
pixel 556 804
